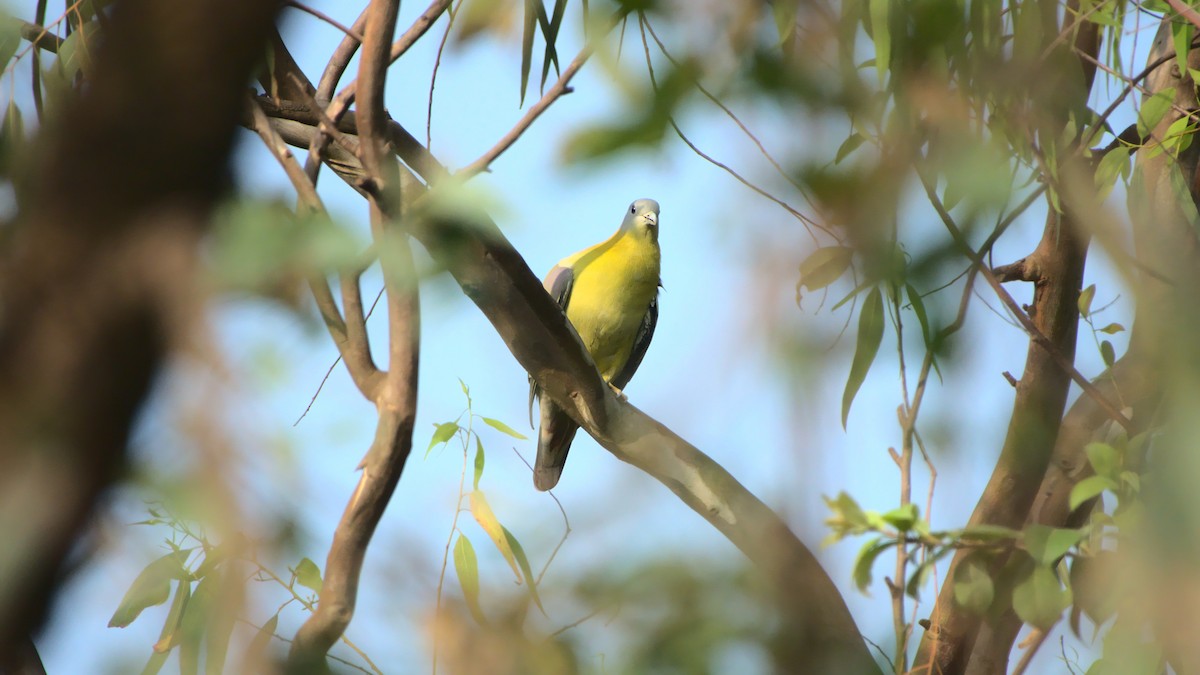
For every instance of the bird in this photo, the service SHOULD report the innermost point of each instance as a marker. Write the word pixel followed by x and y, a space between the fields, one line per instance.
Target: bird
pixel 609 293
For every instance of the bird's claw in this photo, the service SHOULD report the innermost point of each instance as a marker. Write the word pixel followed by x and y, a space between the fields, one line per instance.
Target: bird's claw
pixel 620 394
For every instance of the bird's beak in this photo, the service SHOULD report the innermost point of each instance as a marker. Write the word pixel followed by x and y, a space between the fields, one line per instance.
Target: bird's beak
pixel 651 219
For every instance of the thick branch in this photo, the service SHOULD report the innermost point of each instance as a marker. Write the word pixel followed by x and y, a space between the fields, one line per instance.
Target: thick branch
pixel 96 285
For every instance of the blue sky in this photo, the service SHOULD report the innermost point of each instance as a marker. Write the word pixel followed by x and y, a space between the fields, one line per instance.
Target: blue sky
pixel 713 374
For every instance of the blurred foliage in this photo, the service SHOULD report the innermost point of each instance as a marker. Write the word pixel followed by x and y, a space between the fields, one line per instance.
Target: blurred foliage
pixel 955 119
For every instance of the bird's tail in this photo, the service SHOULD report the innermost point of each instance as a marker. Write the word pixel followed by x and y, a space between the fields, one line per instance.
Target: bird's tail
pixel 554 441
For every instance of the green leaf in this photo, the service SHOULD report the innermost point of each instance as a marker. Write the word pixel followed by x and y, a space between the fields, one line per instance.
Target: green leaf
pixel 151 587
pixel 308 575
pixel 989 533
pixel 1104 458
pixel 221 621
pixel 466 566
pixel 1040 599
pixel 973 587
pixel 879 10
pixel 10 38
pixel 785 18
pixel 1111 166
pixel 848 517
pixel 1108 353
pixel 1152 111
pixel 12 138
pixel 1085 300
pixel 550 28
pixel 823 267
pixel 1089 487
pixel 526 569
pixel 503 428
pixel 531 8
pixel 194 624
pixel 1181 38
pixel 848 146
pixel 1181 190
pixel 902 517
pixel 866 560
pixel 443 433
pixel 256 651
pixel 870 334
pixel 482 511
pixel 1046 545
pixel 168 638
pixel 918 305
pixel 479 460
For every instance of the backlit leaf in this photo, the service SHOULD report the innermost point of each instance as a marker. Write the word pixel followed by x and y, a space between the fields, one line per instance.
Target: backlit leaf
pixel 526 569
pixel 444 432
pixel 1040 599
pixel 482 512
pixel 865 561
pixel 870 334
pixel 503 428
pixel 151 587
pixel 1085 300
pixel 973 587
pixel 308 575
pixel 466 566
pixel 1089 487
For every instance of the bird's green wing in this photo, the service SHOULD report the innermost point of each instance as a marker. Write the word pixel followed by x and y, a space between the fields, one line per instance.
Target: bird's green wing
pixel 641 342
pixel 558 284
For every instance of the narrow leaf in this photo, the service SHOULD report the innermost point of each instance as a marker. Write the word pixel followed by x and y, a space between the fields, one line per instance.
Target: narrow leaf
pixel 879 10
pixel 1112 165
pixel 169 636
pixel 503 428
pixel 444 432
pixel 1085 300
pixel 526 569
pixel 1112 328
pixel 256 651
pixel 849 145
pixel 479 460
pixel 151 587
pixel 870 334
pixel 466 566
pixel 531 7
pixel 865 561
pixel 487 520
pixel 309 575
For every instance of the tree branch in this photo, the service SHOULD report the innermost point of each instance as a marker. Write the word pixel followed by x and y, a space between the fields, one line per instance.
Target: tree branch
pixel 97 286
pixel 396 399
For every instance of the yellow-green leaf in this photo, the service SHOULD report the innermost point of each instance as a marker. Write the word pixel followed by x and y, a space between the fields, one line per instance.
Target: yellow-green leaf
pixel 523 563
pixel 973 587
pixel 482 512
pixel 309 575
pixel 151 587
pixel 823 267
pixel 1041 599
pixel 1085 300
pixel 169 636
pixel 503 428
pixel 879 10
pixel 466 566
pixel 444 432
pixel 870 334
pixel 479 460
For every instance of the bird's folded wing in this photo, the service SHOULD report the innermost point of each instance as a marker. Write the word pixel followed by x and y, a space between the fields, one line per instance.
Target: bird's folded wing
pixel 558 283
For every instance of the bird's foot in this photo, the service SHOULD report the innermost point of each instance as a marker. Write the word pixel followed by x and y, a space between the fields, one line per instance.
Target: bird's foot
pixel 620 394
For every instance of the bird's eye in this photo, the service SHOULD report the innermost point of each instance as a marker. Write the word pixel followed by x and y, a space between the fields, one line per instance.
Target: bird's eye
pixel 633 209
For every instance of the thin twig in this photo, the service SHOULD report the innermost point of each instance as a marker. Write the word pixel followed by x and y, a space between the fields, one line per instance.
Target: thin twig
pixel 350 32
pixel 1030 328
pixel 437 67
pixel 808 222
pixel 559 89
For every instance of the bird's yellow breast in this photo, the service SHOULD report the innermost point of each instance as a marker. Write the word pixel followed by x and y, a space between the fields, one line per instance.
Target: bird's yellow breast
pixel 614 284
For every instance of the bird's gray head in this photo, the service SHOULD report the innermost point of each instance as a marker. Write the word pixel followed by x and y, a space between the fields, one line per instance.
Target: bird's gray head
pixel 642 216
